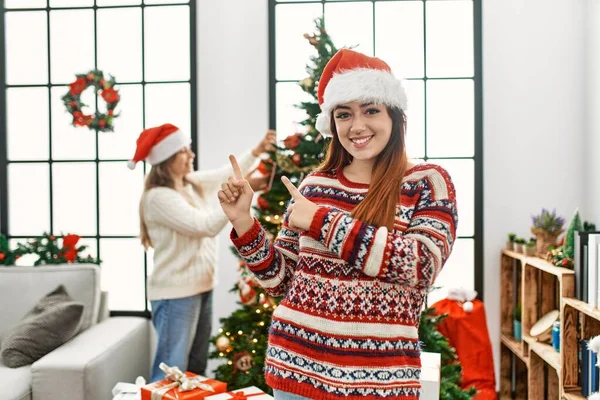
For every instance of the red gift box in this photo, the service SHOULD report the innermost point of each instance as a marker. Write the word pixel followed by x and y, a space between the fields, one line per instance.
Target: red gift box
pixel 169 390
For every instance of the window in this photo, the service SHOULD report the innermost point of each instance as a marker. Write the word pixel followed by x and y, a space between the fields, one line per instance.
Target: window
pixel 436 46
pixel 61 179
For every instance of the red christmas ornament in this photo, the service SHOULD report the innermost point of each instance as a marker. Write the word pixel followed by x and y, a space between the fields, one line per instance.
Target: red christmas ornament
pixel 297 159
pixel 262 203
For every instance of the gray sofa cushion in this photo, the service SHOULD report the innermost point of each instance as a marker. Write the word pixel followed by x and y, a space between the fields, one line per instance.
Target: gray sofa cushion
pixel 52 322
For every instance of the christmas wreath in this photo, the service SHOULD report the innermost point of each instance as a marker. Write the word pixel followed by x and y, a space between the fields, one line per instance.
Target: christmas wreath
pixel 72 100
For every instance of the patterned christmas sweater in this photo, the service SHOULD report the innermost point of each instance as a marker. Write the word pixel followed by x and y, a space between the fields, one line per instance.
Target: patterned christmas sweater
pixel 353 293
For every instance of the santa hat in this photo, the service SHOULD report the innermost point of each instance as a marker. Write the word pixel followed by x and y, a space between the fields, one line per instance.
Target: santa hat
pixel 352 76
pixel 158 144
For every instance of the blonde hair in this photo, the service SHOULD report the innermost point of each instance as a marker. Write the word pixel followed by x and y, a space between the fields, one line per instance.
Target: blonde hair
pixel 160 176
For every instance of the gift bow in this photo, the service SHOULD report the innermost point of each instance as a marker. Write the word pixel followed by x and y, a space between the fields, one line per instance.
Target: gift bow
pixel 181 380
pixel 242 396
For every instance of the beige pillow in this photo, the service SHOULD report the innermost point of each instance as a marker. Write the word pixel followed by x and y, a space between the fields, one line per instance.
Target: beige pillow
pixel 51 323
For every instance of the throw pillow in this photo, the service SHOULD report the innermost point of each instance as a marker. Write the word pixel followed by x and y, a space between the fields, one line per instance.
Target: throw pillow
pixel 52 322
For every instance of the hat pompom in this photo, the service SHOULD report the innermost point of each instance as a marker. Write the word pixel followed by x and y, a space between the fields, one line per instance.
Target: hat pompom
pixel 322 124
pixel 468 306
pixel 131 164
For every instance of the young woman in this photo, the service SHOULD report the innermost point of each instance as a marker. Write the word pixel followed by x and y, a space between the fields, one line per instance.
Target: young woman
pixel 177 222
pixel 364 238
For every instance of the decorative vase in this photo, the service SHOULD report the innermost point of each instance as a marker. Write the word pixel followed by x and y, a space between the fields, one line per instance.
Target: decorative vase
pixel 545 240
pixel 517 330
pixel 529 251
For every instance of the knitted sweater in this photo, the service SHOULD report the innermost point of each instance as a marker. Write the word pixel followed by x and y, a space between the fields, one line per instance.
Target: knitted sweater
pixel 353 293
pixel 184 235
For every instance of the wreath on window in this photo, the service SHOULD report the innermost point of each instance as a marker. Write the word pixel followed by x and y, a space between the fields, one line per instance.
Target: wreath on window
pixel 99 121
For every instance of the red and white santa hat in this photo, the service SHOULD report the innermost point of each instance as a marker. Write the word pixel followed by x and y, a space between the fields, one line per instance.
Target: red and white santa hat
pixel 353 76
pixel 158 144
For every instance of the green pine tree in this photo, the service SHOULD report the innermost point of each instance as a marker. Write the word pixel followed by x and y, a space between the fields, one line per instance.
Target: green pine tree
pixel 574 225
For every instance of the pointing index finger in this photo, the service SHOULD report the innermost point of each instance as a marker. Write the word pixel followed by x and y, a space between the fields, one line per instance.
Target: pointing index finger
pixel 291 188
pixel 237 171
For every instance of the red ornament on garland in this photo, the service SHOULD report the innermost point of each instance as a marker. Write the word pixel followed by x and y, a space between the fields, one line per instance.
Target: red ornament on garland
pixel 72 101
pixel 262 203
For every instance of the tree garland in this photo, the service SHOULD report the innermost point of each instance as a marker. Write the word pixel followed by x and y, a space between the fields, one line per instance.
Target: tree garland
pixel 72 100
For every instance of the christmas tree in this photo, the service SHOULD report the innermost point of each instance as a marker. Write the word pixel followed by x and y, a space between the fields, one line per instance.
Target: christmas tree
pixel 575 225
pixel 242 338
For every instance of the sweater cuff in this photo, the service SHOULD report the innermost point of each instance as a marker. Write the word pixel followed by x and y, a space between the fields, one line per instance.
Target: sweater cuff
pixel 317 223
pixel 248 237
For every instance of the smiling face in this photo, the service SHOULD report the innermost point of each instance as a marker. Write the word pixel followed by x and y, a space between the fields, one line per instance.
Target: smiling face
pixel 182 162
pixel 363 129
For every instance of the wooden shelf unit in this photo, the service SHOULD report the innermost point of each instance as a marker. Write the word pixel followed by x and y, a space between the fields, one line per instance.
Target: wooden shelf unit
pixel 541 287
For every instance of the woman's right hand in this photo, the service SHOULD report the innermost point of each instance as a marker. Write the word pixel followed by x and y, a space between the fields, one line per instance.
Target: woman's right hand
pixel 235 197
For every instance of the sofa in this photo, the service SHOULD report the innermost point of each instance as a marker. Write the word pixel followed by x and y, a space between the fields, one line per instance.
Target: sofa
pixel 103 352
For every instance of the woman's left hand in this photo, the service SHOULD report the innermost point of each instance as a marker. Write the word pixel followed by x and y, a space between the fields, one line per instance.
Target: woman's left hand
pixel 302 212
pixel 266 144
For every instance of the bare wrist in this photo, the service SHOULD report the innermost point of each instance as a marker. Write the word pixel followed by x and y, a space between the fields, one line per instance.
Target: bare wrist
pixel 243 224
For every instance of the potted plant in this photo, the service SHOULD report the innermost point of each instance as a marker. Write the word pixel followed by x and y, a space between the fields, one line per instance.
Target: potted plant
pixel 529 247
pixel 517 322
pixel 547 226
pixel 519 244
pixel 511 240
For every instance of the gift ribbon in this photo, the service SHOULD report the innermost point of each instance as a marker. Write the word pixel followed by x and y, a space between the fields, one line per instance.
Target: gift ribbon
pixel 242 396
pixel 179 380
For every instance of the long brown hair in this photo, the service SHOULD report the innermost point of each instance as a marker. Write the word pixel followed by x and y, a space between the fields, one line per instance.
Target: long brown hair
pixel 160 176
pixel 379 205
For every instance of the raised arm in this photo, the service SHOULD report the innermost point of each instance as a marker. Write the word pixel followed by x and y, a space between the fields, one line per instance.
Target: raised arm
pixel 273 264
pixel 167 207
pixel 414 257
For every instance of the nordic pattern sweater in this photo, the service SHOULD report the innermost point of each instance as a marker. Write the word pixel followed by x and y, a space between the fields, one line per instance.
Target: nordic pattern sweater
pixel 353 293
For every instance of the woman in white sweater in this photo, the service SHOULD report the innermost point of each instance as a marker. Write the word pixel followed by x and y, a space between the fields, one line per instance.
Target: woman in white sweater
pixel 177 222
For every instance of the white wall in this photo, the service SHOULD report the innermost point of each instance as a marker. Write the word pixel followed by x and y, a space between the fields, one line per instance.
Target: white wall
pixel 233 103
pixel 533 93
pixel 592 76
pixel 533 114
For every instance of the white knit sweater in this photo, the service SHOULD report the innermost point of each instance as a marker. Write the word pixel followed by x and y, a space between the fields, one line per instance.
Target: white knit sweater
pixel 184 237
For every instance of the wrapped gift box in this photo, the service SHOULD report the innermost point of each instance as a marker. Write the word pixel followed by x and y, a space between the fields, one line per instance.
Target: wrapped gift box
pixel 249 393
pixel 169 390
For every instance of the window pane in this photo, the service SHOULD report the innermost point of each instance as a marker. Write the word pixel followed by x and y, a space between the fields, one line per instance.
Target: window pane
pixel 71 44
pixel 293 51
pixel 165 1
pixel 399 36
pixel 167 43
pixel 26 30
pixel 25 3
pixel 23 131
pixel 123 273
pixel 92 247
pixel 104 3
pixel 71 3
pixel 28 204
pixel 120 144
pixel 69 142
pixel 120 43
pixel 415 117
pixel 450 118
pixel 120 191
pixel 351 24
pixel 459 271
pixel 289 94
pixel 74 198
pixel 449 38
pixel 168 102
pixel 462 173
